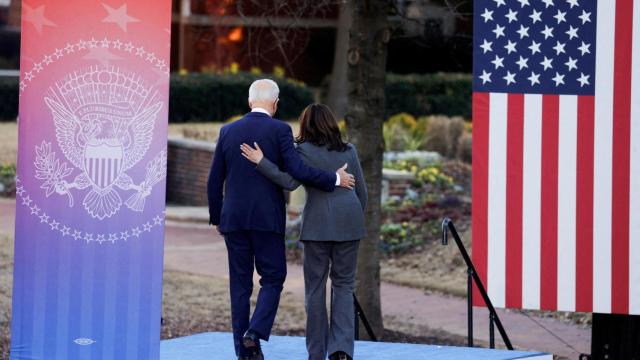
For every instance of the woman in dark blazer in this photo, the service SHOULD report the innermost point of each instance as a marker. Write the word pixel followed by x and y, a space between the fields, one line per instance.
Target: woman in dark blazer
pixel 332 225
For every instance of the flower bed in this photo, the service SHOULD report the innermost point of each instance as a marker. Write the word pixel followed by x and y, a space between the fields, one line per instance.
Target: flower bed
pixel 439 190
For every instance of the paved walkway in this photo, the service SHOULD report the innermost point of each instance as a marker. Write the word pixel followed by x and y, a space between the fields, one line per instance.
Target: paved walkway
pixel 191 245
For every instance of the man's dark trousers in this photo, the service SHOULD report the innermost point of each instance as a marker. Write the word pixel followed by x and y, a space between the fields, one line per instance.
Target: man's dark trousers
pixel 267 251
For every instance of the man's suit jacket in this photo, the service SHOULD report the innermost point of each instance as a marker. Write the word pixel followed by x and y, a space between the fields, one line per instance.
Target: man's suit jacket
pixel 250 201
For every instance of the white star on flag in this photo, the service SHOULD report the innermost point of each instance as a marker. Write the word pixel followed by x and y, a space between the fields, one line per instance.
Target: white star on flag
pixel 573 3
pixel 583 79
pixel 534 47
pixel 499 31
pixel 486 46
pixel 559 48
pixel 523 3
pixel 559 79
pixel 524 31
pixel 522 62
pixel 510 78
pixel 512 16
pixel 534 78
pixel 36 17
pixel 584 48
pixel 560 16
pixel 571 63
pixel 536 16
pixel 118 16
pixel 572 32
pixel 498 62
pixel 487 15
pixel 547 63
pixel 486 77
pixel 585 17
pixel 510 47
pixel 548 32
pixel 548 3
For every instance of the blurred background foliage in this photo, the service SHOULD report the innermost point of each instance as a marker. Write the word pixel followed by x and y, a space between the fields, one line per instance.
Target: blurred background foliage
pixel 218 95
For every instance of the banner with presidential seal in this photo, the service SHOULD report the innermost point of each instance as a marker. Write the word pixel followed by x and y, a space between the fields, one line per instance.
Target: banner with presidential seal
pixel 90 192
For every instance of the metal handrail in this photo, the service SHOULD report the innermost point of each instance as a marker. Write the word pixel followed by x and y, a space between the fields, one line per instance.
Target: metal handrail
pixel 472 275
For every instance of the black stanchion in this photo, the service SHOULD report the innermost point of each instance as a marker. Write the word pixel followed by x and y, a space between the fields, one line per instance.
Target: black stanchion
pixel 447 225
pixel 492 336
pixel 470 307
pixel 360 314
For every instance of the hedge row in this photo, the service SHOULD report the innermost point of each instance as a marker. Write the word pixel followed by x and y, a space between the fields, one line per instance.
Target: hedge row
pixel 212 97
pixel 197 97
pixel 431 94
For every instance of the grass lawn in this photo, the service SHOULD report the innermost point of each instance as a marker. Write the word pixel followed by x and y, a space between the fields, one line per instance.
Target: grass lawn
pixel 431 267
pixel 8 142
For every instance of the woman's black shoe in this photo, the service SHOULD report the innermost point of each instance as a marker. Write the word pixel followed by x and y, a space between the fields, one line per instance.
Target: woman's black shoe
pixel 339 355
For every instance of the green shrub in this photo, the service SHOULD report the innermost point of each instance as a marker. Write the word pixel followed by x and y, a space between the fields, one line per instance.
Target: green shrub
pixel 398 133
pixel 198 97
pixel 7 179
pixel 430 94
pixel 215 97
pixel 8 98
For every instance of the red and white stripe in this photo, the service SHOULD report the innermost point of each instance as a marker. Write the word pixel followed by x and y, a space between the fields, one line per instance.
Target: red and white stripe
pixel 556 185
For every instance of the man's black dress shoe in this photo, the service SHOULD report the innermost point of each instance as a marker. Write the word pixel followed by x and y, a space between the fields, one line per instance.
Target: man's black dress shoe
pixel 339 355
pixel 251 339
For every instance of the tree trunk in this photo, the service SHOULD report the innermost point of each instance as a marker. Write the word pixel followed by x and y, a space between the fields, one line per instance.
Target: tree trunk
pixel 367 58
pixel 337 95
pixel 15 8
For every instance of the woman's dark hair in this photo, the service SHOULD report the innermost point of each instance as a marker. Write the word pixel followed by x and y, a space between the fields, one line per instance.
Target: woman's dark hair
pixel 319 126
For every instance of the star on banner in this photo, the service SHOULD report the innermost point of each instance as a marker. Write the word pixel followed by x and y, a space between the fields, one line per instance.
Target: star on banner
pixel 102 55
pixel 36 17
pixel 119 16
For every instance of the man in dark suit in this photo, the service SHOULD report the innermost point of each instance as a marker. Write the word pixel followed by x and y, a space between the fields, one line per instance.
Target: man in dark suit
pixel 250 212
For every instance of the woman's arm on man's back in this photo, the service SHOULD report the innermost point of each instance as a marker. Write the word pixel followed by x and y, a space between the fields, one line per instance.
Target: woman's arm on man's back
pixel 273 173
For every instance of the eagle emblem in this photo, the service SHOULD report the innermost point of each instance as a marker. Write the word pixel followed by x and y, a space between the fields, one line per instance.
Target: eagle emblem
pixel 104 119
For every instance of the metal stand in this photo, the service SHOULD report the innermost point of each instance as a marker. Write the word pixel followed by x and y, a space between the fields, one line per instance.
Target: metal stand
pixel 470 307
pixel 359 313
pixel 447 226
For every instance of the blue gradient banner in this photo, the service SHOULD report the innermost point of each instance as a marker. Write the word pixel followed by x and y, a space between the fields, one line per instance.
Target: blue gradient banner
pixel 90 192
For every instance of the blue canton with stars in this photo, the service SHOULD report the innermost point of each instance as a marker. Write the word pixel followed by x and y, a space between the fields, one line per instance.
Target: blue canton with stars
pixel 534 46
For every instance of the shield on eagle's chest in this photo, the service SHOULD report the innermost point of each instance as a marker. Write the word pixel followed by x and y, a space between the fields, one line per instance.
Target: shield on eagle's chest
pixel 103 161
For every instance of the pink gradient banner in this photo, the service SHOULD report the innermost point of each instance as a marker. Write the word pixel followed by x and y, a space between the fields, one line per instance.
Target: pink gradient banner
pixel 91 179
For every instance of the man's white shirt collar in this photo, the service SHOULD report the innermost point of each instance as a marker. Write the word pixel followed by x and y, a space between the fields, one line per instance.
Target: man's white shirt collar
pixel 259 109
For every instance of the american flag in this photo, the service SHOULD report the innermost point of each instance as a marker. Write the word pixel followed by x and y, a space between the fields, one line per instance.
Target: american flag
pixel 556 166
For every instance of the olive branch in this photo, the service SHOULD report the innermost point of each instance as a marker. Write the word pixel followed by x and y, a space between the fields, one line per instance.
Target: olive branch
pixel 52 171
pixel 156 171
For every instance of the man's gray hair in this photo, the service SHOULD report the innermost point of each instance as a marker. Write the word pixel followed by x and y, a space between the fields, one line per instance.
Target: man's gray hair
pixel 263 90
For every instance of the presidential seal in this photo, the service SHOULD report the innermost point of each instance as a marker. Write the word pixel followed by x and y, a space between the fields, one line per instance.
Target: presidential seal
pixel 104 118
